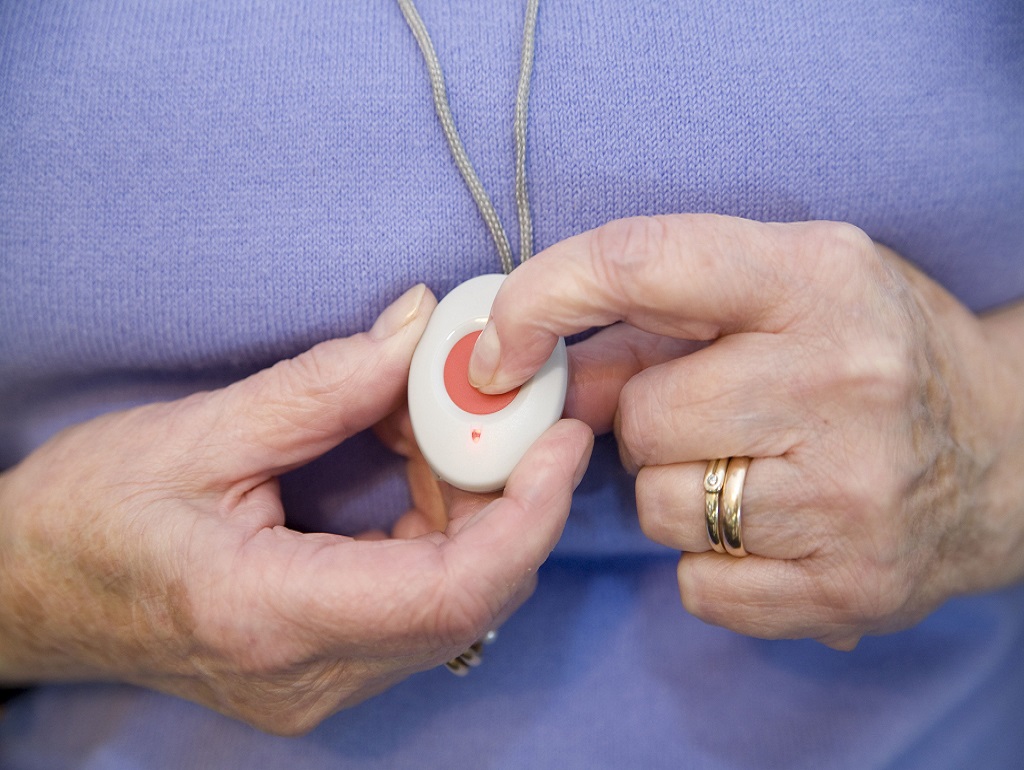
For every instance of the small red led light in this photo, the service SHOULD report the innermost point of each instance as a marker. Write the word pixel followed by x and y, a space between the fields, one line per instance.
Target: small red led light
pixel 475 435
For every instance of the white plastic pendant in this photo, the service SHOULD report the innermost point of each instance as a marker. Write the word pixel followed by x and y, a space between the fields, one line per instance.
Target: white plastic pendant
pixel 472 440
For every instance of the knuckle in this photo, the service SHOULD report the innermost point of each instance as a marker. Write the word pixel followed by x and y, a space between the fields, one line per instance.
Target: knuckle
pixel 285 726
pixel 622 250
pixel 866 379
pixel 322 374
pixel 857 594
pixel 655 529
pixel 298 389
pixel 314 374
pixel 631 424
pixel 843 642
pixel 840 245
pixel 278 716
pixel 695 591
pixel 463 616
pixel 845 239
pixel 288 396
pixel 878 370
pixel 836 259
pixel 651 507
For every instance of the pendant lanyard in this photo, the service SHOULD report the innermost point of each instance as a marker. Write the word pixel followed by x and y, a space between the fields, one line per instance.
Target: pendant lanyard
pixel 451 134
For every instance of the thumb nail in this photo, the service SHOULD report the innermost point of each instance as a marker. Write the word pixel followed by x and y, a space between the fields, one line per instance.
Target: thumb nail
pixel 399 313
pixel 486 354
pixel 584 463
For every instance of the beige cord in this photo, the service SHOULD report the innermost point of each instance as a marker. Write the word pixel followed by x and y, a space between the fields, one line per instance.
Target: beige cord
pixel 458 151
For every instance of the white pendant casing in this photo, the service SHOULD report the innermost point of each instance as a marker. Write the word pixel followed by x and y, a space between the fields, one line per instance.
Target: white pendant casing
pixel 476 451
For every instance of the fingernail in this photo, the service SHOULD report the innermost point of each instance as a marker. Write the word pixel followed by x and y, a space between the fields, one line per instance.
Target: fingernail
pixel 584 463
pixel 486 354
pixel 399 313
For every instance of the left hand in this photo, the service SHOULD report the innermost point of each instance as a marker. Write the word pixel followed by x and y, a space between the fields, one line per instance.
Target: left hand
pixel 883 418
pixel 150 545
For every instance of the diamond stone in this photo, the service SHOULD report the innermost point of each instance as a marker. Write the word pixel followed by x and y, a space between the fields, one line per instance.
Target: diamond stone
pixel 713 482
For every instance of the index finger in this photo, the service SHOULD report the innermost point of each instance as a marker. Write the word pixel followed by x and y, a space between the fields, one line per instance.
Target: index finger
pixel 694 276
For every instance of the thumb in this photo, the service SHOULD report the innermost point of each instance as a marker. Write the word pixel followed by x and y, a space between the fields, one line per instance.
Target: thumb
pixel 296 410
pixel 499 546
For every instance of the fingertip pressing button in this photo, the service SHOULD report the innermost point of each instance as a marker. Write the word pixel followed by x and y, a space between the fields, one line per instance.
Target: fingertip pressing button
pixel 470 439
pixel 461 391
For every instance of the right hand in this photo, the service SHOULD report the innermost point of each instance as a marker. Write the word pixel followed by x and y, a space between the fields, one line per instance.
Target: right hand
pixel 149 545
pixel 884 419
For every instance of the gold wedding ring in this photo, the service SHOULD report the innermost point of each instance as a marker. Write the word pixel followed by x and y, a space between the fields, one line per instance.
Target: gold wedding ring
pixel 714 479
pixel 472 657
pixel 731 506
pixel 723 498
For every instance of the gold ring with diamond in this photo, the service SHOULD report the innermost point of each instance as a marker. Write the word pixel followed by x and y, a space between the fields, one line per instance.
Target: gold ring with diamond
pixel 472 657
pixel 714 479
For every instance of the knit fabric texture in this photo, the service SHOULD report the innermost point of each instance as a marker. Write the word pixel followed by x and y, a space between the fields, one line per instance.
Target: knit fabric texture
pixel 191 191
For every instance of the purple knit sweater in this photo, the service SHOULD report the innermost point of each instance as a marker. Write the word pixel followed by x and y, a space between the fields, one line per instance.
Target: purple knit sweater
pixel 190 191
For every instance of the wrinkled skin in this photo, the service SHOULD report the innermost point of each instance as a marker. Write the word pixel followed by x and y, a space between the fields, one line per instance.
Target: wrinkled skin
pixel 149 545
pixel 885 421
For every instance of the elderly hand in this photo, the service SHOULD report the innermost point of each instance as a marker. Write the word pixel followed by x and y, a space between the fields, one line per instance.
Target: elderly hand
pixel 884 420
pixel 150 546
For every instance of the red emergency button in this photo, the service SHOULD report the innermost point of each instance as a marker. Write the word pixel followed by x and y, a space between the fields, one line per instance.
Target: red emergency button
pixel 460 391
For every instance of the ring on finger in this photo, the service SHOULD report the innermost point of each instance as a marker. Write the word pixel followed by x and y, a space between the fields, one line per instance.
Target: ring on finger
pixel 731 506
pixel 472 657
pixel 714 478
